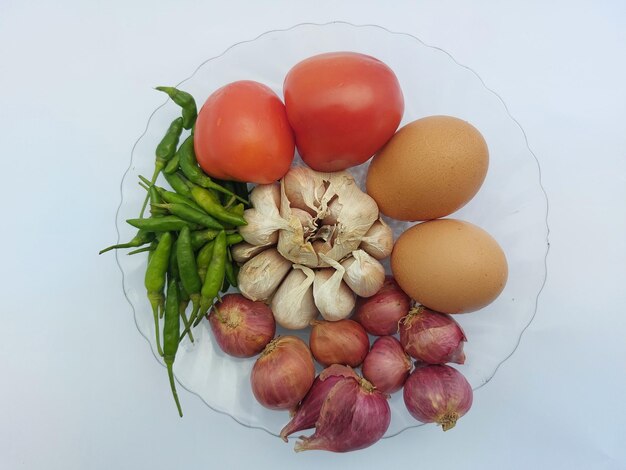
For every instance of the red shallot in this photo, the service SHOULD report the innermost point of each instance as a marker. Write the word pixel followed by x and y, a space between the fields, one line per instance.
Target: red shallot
pixel 387 366
pixel 338 342
pixel 308 412
pixel 283 374
pixel 381 313
pixel 437 394
pixel 432 337
pixel 353 416
pixel 242 328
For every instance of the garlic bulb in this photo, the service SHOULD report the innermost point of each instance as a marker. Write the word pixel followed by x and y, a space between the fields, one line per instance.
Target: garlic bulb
pixel 260 277
pixel 378 241
pixel 293 304
pixel 311 243
pixel 364 274
pixel 334 299
pixel 242 252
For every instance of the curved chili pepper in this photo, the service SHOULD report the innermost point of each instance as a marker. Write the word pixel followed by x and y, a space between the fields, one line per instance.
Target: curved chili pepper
pixel 188 269
pixel 189 166
pixel 141 238
pixel 161 224
pixel 206 201
pixel 192 215
pixel 171 330
pixel 185 101
pixel 172 165
pixel 155 280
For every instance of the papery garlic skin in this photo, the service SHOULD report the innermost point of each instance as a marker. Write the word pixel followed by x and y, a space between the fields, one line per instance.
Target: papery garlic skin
pixel 378 241
pixel 262 229
pixel 334 299
pixel 242 252
pixel 364 274
pixel 259 277
pixel 293 305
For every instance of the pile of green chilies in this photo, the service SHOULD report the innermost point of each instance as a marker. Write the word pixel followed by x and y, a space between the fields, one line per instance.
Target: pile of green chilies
pixel 187 235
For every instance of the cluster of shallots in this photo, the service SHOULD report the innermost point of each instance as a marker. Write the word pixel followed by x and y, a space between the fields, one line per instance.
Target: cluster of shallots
pixel 434 392
pixel 312 245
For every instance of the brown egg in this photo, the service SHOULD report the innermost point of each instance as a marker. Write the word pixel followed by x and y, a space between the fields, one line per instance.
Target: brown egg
pixel 449 265
pixel 430 168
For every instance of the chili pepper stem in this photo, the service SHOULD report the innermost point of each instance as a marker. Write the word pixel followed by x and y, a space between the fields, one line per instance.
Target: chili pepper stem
pixel 183 315
pixel 170 372
pixel 157 169
pixel 155 302
pixel 115 247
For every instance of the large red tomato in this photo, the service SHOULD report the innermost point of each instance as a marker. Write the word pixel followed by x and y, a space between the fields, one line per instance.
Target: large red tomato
pixel 242 134
pixel 343 107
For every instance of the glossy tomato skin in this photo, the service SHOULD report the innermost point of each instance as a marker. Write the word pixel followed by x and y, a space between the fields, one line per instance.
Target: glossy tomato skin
pixel 242 134
pixel 343 107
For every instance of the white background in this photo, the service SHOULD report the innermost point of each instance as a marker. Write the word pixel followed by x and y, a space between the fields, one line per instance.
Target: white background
pixel 80 387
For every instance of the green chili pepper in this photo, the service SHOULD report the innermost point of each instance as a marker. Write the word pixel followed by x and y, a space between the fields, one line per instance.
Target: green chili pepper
pixel 178 183
pixel 175 198
pixel 238 210
pixel 138 240
pixel 230 270
pixel 192 215
pixel 185 101
pixel 200 237
pixel 188 269
pixel 204 259
pixel 215 274
pixel 161 224
pixel 233 239
pixel 172 165
pixel 206 201
pixel 155 279
pixel 165 151
pixel 183 302
pixel 190 168
pixel 172 267
pixel 155 200
pixel 171 331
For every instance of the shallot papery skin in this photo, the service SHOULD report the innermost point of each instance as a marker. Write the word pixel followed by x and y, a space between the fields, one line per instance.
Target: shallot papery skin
pixel 387 366
pixel 241 327
pixel 283 374
pixel 437 394
pixel 354 415
pixel 380 314
pixel 432 337
pixel 308 412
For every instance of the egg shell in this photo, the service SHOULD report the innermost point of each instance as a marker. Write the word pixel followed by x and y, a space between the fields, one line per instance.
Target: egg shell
pixel 449 265
pixel 429 169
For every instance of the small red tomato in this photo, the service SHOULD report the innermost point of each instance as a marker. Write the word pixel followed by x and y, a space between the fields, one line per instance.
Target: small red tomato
pixel 242 134
pixel 343 107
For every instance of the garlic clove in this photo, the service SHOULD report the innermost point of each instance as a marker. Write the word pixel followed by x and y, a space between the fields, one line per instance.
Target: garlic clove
pixel 242 252
pixel 334 299
pixel 304 188
pixel 364 274
pixel 262 229
pixel 291 240
pixel 306 220
pixel 378 241
pixel 260 276
pixel 331 215
pixel 265 198
pixel 293 304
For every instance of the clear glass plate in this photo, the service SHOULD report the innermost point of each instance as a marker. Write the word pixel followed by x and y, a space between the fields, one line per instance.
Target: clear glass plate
pixel 511 205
